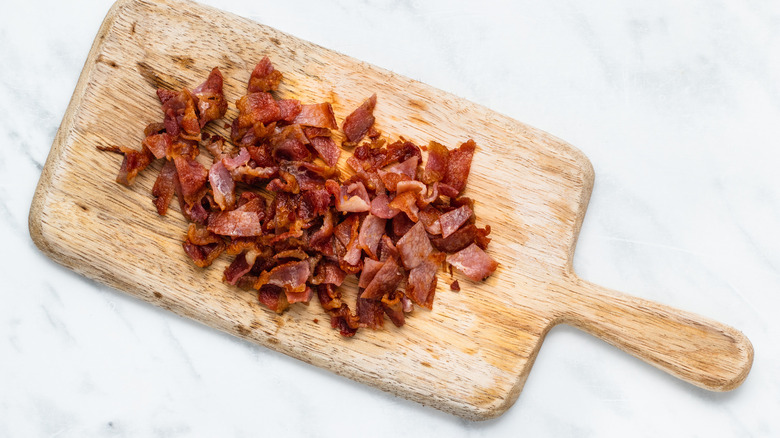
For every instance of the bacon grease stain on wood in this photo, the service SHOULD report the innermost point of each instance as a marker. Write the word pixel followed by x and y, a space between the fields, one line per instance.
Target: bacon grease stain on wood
pixel 471 355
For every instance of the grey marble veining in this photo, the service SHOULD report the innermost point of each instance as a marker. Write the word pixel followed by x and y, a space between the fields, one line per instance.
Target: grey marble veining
pixel 675 103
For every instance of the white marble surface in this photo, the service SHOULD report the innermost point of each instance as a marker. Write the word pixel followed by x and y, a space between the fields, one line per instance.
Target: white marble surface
pixel 677 104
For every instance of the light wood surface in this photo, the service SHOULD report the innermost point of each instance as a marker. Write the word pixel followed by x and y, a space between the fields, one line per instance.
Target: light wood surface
pixel 469 356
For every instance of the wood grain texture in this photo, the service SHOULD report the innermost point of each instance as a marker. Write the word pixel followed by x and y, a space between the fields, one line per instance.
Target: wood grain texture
pixel 469 356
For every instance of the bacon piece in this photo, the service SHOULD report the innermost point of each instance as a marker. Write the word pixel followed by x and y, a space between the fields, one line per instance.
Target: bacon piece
pixel 414 246
pixel 347 234
pixel 387 249
pixel 459 165
pixel 473 262
pixel 370 313
pixel 237 269
pixel 300 297
pixel 158 144
pixel 192 177
pixel 401 225
pixel 452 220
pixel 385 280
pixel 392 304
pixel 329 296
pixel 236 223
pixel 462 238
pixel 325 231
pixel 319 115
pixel 291 276
pixel 200 235
pixel 241 159
pixel 371 232
pixel 180 116
pixel 370 268
pixel 406 202
pixel 211 100
pixel 421 285
pixel 257 108
pixel 203 255
pixel 329 272
pixel 436 166
pixel 429 216
pixel 327 149
pixel 352 198
pixel 401 151
pixel 313 203
pixel 273 297
pixel 133 162
pixel 222 185
pixel 405 170
pixel 344 320
pixel 165 187
pixel 357 124
pixel 380 207
pixel 264 77
pixel 289 109
pixel 455 286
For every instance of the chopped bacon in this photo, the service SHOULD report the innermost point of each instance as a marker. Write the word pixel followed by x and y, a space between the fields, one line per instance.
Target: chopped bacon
pixel 192 177
pixel 203 255
pixel 289 109
pixel 462 238
pixel 327 149
pixel 274 199
pixel 405 170
pixel 371 232
pixel 300 297
pixel 380 207
pixel 222 185
pixel 473 262
pixel 344 320
pixel 414 246
pixel 393 306
pixel 357 124
pixel 211 100
pixel 236 223
pixel 329 272
pixel 421 286
pixel 452 220
pixel 180 115
pixel 241 159
pixel 436 166
pixel 319 115
pixel 370 268
pixel 384 281
pixel 257 108
pixel 165 187
pixel 455 286
pixel 429 216
pixel 406 202
pixel 264 77
pixel 273 297
pixel 459 165
pixel 237 269
pixel 158 144
pixel 134 161
pixel 370 313
pixel 291 276
pixel 329 296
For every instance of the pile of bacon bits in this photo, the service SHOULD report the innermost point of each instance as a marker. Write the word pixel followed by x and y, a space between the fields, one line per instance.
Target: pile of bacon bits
pixel 274 200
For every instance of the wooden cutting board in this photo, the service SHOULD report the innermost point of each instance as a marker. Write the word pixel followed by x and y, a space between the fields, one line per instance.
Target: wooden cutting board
pixel 469 356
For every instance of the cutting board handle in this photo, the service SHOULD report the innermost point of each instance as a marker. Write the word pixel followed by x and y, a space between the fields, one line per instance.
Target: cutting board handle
pixel 703 352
